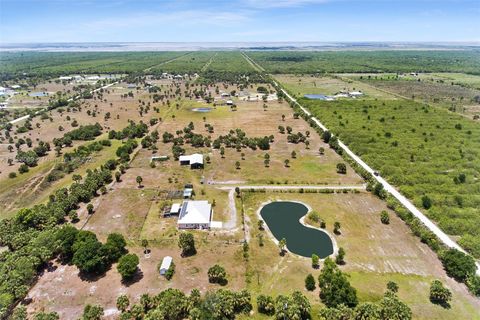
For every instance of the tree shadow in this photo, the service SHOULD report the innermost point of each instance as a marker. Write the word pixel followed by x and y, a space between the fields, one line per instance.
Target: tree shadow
pixel 443 304
pixel 136 278
pixel 92 276
pixel 188 253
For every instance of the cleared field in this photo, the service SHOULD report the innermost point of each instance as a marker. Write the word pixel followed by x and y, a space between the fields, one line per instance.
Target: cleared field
pixel 229 62
pixel 452 97
pixel 422 150
pixel 375 254
pixel 328 85
pixel 187 63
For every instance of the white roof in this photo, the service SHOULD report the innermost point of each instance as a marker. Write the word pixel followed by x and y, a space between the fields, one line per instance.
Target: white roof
pixel 355 93
pixel 193 158
pixel 15 86
pixel 166 262
pixel 195 212
pixel 175 208
pixel 65 78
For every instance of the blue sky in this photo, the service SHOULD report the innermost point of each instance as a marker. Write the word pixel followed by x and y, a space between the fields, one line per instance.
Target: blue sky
pixel 238 20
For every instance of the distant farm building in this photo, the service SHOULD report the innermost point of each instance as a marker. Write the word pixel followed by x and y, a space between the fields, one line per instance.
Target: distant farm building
pixel 195 215
pixel 195 161
pixel 166 263
pixel 159 158
pixel 229 103
pixel 355 94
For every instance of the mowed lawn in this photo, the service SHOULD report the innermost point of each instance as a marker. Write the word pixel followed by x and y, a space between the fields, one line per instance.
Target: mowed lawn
pixel 375 254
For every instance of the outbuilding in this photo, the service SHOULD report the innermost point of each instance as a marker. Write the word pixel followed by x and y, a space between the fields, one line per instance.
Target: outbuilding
pixel 195 161
pixel 166 263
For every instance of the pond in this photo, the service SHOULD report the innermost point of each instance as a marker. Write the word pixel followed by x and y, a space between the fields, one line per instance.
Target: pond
pixel 316 96
pixel 38 94
pixel 283 220
pixel 202 109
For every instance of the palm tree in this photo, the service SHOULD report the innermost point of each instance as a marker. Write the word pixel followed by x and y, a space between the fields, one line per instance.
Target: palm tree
pixel 139 181
pixel 266 162
pixel 237 165
pixel 281 245
pixel 123 303
pixel 286 162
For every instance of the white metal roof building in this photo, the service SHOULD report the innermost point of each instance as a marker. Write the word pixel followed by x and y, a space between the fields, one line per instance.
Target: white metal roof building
pixel 175 209
pixel 194 160
pixel 166 263
pixel 195 215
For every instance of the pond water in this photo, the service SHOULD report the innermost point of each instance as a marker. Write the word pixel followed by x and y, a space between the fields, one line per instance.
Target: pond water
pixel 316 96
pixel 38 94
pixel 282 218
pixel 202 109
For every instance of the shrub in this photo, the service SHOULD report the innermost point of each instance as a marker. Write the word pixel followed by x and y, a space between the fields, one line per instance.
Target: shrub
pixel 384 217
pixel 170 272
pixel 458 264
pixel 341 168
pixel 187 244
pixel 127 266
pixel 217 274
pixel 310 282
pixel 315 261
pixel 439 294
pixel 266 304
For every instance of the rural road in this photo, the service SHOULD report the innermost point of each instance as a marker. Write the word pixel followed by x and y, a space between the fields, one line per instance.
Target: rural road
pixel 387 186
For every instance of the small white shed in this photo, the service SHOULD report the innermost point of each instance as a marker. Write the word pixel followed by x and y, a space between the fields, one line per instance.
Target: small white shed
pixel 166 262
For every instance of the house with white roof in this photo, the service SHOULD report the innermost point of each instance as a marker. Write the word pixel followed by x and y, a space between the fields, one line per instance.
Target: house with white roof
pixel 195 215
pixel 195 161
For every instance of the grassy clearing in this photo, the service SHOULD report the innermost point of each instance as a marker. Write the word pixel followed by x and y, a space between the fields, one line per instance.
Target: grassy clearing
pixel 375 254
pixel 328 85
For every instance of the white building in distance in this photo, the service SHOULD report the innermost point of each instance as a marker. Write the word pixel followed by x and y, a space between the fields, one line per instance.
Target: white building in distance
pixel 195 215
